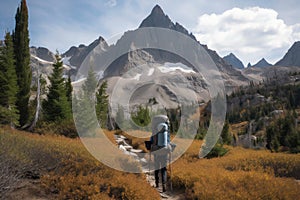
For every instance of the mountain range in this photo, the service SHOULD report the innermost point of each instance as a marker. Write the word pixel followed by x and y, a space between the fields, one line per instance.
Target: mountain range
pixel 164 65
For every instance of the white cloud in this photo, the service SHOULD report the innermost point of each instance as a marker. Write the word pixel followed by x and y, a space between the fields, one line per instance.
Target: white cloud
pixel 250 33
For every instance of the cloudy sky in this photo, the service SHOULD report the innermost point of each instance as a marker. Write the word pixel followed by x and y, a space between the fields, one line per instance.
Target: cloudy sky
pixel 251 29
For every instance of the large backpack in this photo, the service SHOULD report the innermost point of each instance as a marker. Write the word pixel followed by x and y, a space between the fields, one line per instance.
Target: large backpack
pixel 160 136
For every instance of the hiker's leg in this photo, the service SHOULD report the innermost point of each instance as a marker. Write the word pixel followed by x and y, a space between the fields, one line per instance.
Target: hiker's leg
pixel 164 175
pixel 156 165
pixel 156 178
pixel 164 171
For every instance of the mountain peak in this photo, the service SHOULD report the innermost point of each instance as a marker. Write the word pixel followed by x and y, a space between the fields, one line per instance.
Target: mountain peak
pixel 262 63
pixel 291 58
pixel 158 18
pixel 157 10
pixel 232 60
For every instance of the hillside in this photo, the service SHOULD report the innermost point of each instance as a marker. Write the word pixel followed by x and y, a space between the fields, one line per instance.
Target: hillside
pixel 56 167
pixel 53 167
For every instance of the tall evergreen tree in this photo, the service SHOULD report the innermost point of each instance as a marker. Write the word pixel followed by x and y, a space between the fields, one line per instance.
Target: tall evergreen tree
pixel 69 90
pixel 102 105
pixel 22 57
pixel 226 135
pixel 56 107
pixel 89 86
pixel 8 83
pixel 84 106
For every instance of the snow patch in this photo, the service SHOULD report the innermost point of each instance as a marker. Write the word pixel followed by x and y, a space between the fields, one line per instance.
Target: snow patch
pixel 100 75
pixel 151 70
pixel 171 67
pixel 137 77
pixel 66 60
pixel 41 60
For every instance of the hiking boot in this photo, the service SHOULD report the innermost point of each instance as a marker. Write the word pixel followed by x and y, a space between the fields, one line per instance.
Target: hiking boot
pixel 164 187
pixel 156 184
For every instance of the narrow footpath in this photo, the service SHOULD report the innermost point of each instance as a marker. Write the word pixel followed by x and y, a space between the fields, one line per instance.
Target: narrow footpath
pixel 127 148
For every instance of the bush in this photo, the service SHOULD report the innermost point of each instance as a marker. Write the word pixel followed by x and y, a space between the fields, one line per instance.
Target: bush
pixel 217 151
pixel 240 174
pixel 68 171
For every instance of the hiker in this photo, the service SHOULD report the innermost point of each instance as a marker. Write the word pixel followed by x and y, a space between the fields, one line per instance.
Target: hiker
pixel 160 141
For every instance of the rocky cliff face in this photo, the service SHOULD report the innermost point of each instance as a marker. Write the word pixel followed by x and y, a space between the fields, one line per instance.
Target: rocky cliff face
pixel 292 57
pixel 76 55
pixel 232 60
pixel 42 53
pixel 262 63
pixel 158 18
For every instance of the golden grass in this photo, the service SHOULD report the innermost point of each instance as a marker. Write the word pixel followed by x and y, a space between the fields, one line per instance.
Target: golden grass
pixel 241 174
pixel 69 171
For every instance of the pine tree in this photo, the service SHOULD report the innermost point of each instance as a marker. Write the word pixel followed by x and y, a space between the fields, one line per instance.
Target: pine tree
pixel 8 83
pixel 142 116
pixel 22 57
pixel 89 86
pixel 102 105
pixel 56 107
pixel 84 107
pixel 69 90
pixel 225 135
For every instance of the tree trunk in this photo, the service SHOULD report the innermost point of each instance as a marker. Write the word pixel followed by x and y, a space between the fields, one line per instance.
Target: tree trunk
pixel 38 105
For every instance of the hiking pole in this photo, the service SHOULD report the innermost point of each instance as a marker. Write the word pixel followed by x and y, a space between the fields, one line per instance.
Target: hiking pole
pixel 170 168
pixel 149 162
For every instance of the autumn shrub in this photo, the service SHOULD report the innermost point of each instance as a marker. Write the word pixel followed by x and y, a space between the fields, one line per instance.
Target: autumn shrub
pixel 68 171
pixel 240 174
pixel 65 127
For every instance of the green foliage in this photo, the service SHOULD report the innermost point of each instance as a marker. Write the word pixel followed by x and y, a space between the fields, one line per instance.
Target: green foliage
pixel 90 85
pixel 174 115
pixel 226 135
pixel 201 132
pixel 102 105
pixel 84 115
pixel 142 116
pixel 69 89
pixel 84 106
pixel 282 133
pixel 217 151
pixel 22 57
pixel 8 84
pixel 56 107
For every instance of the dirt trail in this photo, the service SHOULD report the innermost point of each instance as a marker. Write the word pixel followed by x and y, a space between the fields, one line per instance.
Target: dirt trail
pixel 168 195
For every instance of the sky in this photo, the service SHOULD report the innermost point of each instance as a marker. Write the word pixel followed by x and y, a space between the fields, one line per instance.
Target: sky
pixel 251 29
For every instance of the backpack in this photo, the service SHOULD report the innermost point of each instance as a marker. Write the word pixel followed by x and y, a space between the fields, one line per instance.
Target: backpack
pixel 160 141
